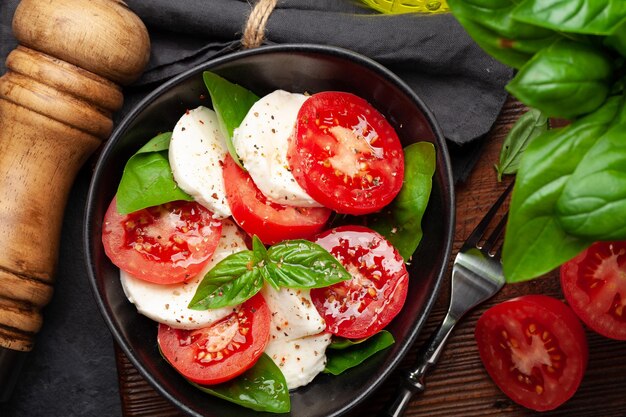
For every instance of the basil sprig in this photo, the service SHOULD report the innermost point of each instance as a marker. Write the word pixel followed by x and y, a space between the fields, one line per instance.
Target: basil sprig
pixel 571 56
pixel 147 179
pixel 291 263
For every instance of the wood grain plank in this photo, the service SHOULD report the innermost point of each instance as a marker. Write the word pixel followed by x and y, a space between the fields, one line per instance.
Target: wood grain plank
pixel 459 386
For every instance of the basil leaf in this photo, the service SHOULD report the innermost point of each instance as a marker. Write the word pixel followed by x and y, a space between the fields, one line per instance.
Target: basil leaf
pixel 261 388
pixel 567 79
pixel 593 203
pixel 340 343
pixel 401 222
pixel 530 125
pixel 147 179
pixel 304 264
pixel 231 102
pixel 343 359
pixel 232 281
pixel 617 40
pixel 490 24
pixel 535 242
pixel 578 16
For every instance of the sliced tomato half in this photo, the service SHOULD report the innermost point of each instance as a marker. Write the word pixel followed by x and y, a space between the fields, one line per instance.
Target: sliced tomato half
pixel 220 352
pixel 376 293
pixel 345 154
pixel 594 285
pixel 163 244
pixel 257 215
pixel 535 350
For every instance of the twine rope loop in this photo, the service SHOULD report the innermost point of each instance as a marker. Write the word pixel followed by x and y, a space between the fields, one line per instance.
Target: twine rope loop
pixel 254 32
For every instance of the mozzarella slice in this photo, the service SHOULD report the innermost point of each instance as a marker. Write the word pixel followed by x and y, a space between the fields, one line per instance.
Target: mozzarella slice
pixel 297 344
pixel 300 360
pixel 261 142
pixel 168 303
pixel 293 313
pixel 197 151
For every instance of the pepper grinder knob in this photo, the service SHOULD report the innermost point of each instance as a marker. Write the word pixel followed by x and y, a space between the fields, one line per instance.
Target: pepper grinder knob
pixel 56 103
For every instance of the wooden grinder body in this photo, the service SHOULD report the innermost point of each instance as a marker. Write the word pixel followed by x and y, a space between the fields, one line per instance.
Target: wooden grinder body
pixel 56 103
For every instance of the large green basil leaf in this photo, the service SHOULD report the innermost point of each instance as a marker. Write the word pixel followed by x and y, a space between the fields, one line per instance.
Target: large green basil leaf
pixel 147 179
pixel 304 264
pixel 232 281
pixel 339 360
pixel 401 221
pixel 490 24
pixel 261 388
pixel 231 102
pixel 567 79
pixel 578 16
pixel 593 203
pixel 535 242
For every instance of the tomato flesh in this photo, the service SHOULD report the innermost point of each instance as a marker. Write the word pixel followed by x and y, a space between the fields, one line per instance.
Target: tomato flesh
pixel 345 154
pixel 594 285
pixel 222 351
pixel 163 244
pixel 271 222
pixel 535 350
pixel 376 293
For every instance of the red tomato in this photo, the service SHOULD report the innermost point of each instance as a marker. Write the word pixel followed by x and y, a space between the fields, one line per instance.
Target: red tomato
pixel 222 351
pixel 534 348
pixel 345 154
pixel 271 222
pixel 594 284
pixel 163 244
pixel 376 293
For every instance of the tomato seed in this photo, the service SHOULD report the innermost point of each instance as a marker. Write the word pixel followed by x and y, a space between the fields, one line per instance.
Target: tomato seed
pixel 539 389
pixel 532 328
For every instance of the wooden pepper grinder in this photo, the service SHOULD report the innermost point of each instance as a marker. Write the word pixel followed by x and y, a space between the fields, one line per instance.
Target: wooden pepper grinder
pixel 56 102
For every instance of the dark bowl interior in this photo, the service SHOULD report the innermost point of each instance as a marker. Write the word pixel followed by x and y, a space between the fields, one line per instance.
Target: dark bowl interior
pixel 295 68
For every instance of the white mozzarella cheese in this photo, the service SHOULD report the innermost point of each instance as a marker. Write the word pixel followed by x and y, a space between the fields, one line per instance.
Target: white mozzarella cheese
pixel 261 141
pixel 168 303
pixel 297 344
pixel 196 154
pixel 300 360
pixel 293 313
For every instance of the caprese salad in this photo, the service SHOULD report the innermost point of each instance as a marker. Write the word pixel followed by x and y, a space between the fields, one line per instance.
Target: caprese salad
pixel 226 234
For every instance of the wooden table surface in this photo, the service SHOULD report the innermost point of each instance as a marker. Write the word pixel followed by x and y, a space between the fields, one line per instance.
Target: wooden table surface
pixel 459 385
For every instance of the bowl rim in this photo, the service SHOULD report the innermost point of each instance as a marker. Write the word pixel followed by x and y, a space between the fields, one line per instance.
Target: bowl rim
pixel 447 191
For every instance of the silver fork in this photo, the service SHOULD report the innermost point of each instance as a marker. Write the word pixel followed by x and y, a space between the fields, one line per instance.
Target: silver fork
pixel 476 277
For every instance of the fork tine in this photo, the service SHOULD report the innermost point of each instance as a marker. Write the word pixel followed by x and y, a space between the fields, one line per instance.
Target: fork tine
pixel 479 231
pixel 495 235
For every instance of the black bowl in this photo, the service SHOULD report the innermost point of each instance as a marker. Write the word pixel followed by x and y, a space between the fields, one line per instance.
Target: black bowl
pixel 295 68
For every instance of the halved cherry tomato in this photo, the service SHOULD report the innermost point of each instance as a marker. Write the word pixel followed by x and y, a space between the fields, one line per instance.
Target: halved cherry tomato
pixel 163 244
pixel 376 293
pixel 594 285
pixel 271 222
pixel 345 154
pixel 534 348
pixel 221 351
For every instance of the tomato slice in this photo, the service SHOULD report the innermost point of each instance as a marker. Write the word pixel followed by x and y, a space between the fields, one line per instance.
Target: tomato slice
pixel 221 351
pixel 534 348
pixel 257 215
pixel 345 154
pixel 376 293
pixel 163 244
pixel 594 285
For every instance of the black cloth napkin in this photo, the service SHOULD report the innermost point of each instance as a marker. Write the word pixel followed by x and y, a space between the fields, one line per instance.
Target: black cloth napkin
pixel 72 370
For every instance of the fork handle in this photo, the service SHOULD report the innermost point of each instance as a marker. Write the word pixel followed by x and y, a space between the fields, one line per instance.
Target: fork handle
pixel 413 379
